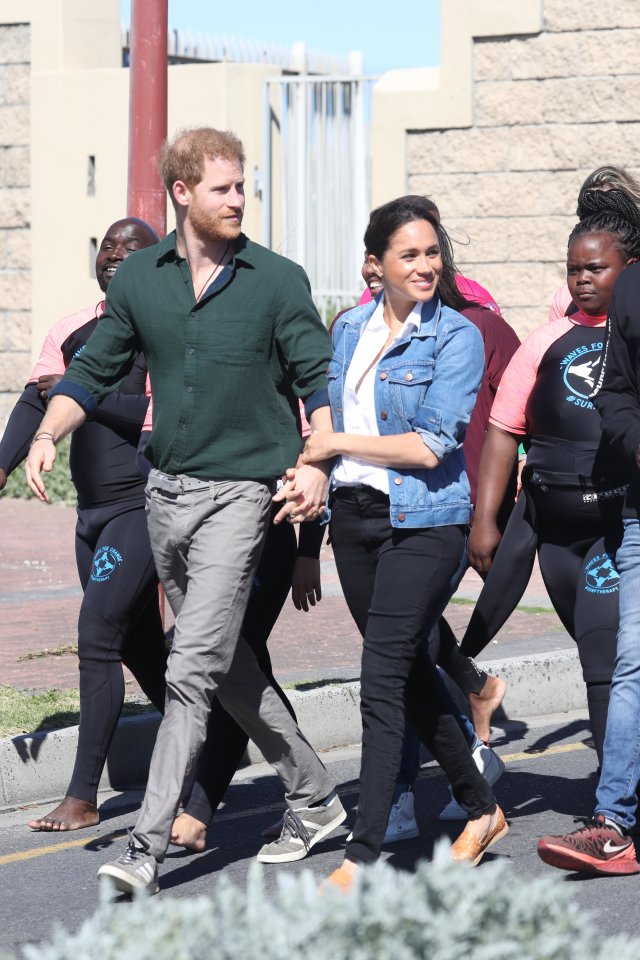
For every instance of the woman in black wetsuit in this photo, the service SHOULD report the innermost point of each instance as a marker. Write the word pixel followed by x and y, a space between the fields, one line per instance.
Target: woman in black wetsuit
pixel 574 481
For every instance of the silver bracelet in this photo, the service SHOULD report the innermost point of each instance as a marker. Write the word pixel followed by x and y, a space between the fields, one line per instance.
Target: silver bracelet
pixel 44 436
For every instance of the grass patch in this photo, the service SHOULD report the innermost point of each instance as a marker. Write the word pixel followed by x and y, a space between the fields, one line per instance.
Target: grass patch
pixel 521 608
pixel 49 652
pixel 22 712
pixel 60 489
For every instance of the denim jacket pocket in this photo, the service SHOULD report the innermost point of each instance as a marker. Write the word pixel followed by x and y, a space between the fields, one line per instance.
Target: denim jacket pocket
pixel 408 386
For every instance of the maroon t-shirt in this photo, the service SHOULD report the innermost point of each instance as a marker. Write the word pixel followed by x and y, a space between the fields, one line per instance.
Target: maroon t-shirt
pixel 500 344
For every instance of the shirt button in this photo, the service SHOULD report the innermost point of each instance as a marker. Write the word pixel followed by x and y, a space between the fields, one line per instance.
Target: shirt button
pixel 189 389
pixel 409 376
pixel 383 414
pixel 383 376
pixel 191 350
pixel 398 481
pixel 401 517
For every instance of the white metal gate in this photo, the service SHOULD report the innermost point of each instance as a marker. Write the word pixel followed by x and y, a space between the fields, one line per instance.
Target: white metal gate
pixel 316 185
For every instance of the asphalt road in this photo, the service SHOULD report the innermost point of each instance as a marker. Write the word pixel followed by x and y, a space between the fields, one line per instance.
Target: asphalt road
pixel 550 778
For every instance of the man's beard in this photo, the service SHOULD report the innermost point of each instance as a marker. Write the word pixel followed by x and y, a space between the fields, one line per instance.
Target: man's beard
pixel 212 226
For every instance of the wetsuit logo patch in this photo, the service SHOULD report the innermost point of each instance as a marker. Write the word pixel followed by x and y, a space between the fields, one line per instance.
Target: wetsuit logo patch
pixel 105 561
pixel 580 372
pixel 601 575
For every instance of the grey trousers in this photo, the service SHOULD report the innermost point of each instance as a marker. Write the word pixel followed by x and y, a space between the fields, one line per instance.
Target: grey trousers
pixel 207 538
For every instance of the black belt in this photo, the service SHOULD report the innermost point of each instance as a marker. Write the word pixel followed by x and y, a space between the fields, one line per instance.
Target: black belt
pixel 358 491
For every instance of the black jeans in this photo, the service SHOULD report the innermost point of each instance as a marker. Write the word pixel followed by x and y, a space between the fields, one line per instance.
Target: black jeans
pixel 394 582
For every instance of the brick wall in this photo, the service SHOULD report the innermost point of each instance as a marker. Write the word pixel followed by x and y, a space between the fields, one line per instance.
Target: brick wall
pixel 547 109
pixel 15 243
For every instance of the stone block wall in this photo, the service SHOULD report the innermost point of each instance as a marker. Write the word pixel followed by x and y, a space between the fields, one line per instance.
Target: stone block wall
pixel 547 110
pixel 15 239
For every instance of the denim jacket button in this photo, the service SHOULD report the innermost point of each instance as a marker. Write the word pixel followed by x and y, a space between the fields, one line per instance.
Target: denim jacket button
pixel 398 481
pixel 383 376
pixel 409 376
pixel 401 517
pixel 383 414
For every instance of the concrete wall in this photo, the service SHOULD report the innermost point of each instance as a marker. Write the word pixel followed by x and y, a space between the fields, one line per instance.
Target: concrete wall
pixel 15 196
pixel 545 109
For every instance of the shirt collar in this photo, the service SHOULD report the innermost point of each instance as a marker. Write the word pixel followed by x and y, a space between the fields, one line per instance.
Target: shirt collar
pixel 410 325
pixel 244 250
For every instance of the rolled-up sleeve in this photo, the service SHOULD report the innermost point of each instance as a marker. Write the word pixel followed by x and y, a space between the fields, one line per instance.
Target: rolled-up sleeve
pixel 449 401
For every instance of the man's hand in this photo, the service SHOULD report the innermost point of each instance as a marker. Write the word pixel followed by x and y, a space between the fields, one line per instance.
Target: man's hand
pixel 3 478
pixel 42 456
pixel 305 583
pixel 304 494
pixel 46 383
pixel 483 543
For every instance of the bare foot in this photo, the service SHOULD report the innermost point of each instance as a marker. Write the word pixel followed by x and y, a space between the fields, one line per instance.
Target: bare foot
pixel 189 832
pixel 71 814
pixel 342 878
pixel 485 704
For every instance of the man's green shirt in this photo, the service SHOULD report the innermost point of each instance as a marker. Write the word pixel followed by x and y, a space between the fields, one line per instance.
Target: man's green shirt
pixel 225 371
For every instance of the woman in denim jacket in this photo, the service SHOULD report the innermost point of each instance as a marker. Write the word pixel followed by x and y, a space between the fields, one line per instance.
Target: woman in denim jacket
pixel 402 384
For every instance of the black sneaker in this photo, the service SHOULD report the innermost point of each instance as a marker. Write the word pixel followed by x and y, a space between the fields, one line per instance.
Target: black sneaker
pixel 135 869
pixel 601 846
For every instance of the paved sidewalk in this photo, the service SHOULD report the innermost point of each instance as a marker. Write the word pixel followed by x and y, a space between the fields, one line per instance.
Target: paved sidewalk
pixel 40 598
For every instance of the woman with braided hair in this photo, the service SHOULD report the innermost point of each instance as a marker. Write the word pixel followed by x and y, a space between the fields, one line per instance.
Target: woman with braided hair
pixel 605 179
pixel 611 191
pixel 574 481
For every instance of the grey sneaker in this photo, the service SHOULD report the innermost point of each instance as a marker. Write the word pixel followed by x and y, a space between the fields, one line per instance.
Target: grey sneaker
pixel 490 766
pixel 135 869
pixel 302 829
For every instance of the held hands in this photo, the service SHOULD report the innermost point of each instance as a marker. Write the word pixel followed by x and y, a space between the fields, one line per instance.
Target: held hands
pixel 42 456
pixel 305 583
pixel 303 494
pixel 483 543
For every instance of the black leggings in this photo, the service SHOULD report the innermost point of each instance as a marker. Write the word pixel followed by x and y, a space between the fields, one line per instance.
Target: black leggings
pixel 394 582
pixel 119 623
pixel 576 541
pixel 226 741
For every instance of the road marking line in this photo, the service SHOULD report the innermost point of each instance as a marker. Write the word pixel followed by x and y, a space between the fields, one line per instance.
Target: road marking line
pixel 21 855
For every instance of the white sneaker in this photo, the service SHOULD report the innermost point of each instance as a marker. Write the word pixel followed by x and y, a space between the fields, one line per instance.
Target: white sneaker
pixel 402 823
pixel 490 766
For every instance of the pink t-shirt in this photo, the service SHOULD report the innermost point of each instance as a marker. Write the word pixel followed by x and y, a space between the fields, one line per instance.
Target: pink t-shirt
pixel 50 359
pixel 560 302
pixel 509 406
pixel 473 292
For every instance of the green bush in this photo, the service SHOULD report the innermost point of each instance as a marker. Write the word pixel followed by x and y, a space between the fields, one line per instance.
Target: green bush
pixel 58 482
pixel 442 912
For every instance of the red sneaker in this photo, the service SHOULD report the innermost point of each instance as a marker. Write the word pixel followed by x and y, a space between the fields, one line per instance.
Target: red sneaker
pixel 598 847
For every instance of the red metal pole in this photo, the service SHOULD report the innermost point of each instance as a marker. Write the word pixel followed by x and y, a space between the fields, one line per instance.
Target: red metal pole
pixel 146 196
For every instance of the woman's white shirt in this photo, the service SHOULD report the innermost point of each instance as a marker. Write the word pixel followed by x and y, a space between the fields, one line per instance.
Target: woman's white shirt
pixel 359 401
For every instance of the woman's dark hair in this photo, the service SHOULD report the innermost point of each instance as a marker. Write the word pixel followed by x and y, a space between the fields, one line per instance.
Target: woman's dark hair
pixel 450 295
pixel 609 211
pixel 385 220
pixel 607 178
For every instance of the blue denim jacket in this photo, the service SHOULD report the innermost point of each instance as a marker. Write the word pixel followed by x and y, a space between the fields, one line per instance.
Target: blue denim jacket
pixel 426 382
